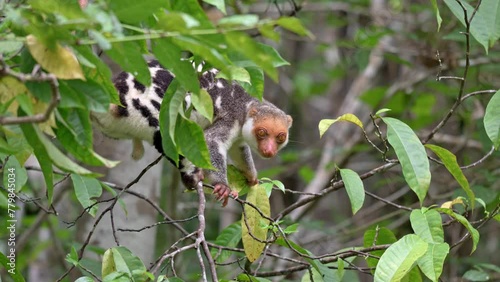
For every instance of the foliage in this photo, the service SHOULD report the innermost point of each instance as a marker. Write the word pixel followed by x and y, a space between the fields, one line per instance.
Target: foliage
pixel 52 79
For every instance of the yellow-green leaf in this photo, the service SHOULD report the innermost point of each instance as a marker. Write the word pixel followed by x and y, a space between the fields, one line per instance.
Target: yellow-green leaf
pixel 251 217
pixel 449 204
pixel 59 60
pixel 450 162
pixel 326 123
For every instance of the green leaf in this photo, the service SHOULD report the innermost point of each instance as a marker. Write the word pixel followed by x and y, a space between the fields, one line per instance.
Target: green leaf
pixel 435 9
pixel 472 231
pixel 256 88
pixel 275 58
pixel 248 47
pixel 122 260
pixel 237 180
pixel 450 162
pixel 267 30
pixel 191 141
pixel 133 12
pixel 69 9
pixel 374 237
pixel 200 48
pixel 478 27
pixel 219 4
pixel 431 263
pixel 14 174
pixel 10 47
pixel 400 258
pixel 11 267
pixel 476 275
pixel 101 74
pixel 84 279
pixel 324 124
pixel 236 73
pixel 492 120
pixel 253 248
pixel 411 155
pixel 228 237
pixel 293 24
pixel 490 11
pixel 93 95
pixel 427 224
pixel 42 157
pixel 169 56
pixel 74 131
pixel 246 20
pixel 128 55
pixel 203 104
pixel 169 111
pixel 59 159
pixel 354 187
pixel 291 229
pixel 87 188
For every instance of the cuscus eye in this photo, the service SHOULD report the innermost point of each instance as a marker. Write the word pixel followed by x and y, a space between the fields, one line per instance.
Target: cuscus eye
pixel 281 138
pixel 261 133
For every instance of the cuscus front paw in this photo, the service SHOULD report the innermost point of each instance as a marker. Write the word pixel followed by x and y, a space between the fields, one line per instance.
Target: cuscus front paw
pixel 222 193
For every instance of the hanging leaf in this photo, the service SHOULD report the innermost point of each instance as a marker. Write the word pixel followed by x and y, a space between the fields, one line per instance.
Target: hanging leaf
pixel 324 124
pixel 253 248
pixel 431 263
pixel 472 231
pixel 411 155
pixel 86 190
pixel 228 237
pixel 121 261
pixel 133 12
pixel 59 60
pixel 492 120
pixel 354 187
pixel 450 162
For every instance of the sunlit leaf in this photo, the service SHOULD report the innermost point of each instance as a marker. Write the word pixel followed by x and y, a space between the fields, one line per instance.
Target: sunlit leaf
pixel 431 263
pixel 251 217
pixel 248 20
pixel 400 258
pixel 60 61
pixel 324 124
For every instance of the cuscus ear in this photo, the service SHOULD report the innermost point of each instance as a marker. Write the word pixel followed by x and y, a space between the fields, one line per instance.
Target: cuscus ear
pixel 290 120
pixel 252 112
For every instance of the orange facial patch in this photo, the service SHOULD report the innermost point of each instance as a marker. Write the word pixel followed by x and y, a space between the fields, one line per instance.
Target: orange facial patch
pixel 270 134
